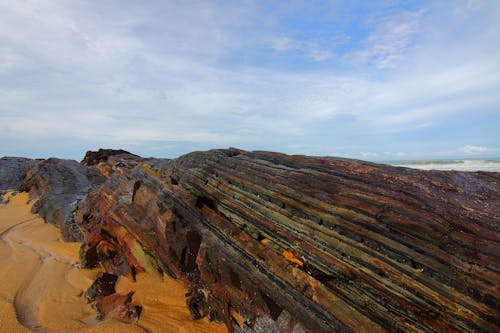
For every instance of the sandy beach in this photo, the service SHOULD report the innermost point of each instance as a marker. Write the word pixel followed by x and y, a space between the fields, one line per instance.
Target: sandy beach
pixel 42 285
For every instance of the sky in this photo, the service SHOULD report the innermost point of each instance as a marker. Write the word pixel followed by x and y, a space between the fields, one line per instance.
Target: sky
pixel 375 80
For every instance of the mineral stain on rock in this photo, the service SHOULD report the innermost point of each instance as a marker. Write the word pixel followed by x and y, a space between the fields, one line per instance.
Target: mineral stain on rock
pixel 292 258
pixel 268 242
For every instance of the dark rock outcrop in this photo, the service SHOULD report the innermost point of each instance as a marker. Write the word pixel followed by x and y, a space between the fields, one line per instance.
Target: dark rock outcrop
pixel 274 243
pixel 104 285
pixel 59 185
pixel 108 303
pixel 117 306
pixel 103 155
pixel 12 171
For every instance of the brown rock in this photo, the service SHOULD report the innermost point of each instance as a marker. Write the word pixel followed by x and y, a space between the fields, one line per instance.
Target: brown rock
pixel 103 285
pixel 102 155
pixel 275 243
pixel 117 306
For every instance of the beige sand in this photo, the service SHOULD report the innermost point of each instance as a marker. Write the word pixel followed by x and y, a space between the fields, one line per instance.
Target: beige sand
pixel 41 285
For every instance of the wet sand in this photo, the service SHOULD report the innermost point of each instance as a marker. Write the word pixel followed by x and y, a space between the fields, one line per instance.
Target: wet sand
pixel 42 284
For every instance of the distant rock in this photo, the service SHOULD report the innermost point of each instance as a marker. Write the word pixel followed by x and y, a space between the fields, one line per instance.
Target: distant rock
pixel 269 242
pixel 102 155
pixel 12 171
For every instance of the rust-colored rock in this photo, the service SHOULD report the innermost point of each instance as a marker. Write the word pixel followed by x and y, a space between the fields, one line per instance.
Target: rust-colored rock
pixel 117 306
pixel 104 285
pixel 275 243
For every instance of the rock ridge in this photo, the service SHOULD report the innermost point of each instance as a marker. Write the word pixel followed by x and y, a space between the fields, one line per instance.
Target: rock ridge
pixel 269 242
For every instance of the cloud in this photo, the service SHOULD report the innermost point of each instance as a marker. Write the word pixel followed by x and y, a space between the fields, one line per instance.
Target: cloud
pixel 217 73
pixel 11 60
pixel 382 155
pixel 284 43
pixel 315 50
pixel 469 149
pixel 390 38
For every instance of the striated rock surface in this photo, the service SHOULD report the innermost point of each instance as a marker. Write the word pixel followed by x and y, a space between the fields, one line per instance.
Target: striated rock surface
pixel 275 243
pixel 59 185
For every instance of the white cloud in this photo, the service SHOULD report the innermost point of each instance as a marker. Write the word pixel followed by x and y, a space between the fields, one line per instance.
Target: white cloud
pixel 315 50
pixel 469 149
pixel 369 155
pixel 170 73
pixel 389 40
pixel 320 55
pixel 10 60
pixel 283 43
pixel 383 155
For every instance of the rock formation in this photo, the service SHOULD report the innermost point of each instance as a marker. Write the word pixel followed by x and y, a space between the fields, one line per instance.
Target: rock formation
pixel 268 242
pixel 12 171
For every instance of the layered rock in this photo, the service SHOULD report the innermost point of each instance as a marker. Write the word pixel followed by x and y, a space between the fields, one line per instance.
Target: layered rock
pixel 59 185
pixel 275 243
pixel 103 155
pixel 108 303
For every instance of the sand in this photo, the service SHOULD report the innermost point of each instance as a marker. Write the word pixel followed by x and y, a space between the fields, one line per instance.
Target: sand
pixel 41 284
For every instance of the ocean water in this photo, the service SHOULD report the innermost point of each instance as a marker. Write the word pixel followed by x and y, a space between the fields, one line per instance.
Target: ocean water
pixel 492 165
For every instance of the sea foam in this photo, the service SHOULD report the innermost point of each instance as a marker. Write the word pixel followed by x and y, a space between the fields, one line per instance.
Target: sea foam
pixel 492 165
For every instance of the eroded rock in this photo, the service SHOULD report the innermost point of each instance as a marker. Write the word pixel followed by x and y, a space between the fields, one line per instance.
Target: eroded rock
pixel 12 172
pixel 268 242
pixel 103 285
pixel 102 155
pixel 117 306
pixel 58 185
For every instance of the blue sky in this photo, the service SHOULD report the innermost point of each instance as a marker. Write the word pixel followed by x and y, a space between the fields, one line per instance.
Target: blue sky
pixel 376 80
